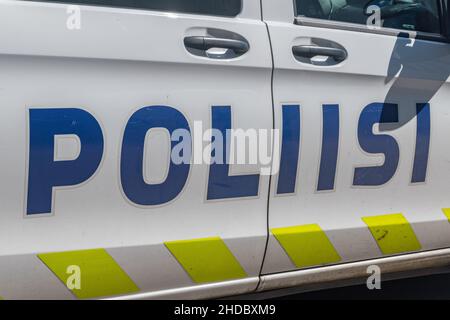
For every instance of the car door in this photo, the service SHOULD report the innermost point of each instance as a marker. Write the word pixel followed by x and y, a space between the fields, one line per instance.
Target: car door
pixel 106 188
pixel 361 99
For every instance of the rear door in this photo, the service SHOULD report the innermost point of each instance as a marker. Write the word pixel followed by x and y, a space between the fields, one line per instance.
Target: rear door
pixel 361 97
pixel 106 188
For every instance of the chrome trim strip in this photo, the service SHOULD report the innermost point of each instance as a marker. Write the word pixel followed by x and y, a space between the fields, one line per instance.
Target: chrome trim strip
pixel 338 25
pixel 205 291
pixel 320 276
pixel 413 264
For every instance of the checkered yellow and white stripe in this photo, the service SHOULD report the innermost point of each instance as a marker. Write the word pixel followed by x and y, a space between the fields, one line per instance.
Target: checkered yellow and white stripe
pixel 132 270
pixel 122 271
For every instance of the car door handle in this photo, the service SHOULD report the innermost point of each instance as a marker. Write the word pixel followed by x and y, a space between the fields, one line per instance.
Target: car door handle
pixel 205 43
pixel 310 51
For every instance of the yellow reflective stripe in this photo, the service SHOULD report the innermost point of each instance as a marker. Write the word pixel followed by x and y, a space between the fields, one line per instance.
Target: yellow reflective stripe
pixel 446 211
pixel 306 245
pixel 206 260
pixel 100 275
pixel 393 233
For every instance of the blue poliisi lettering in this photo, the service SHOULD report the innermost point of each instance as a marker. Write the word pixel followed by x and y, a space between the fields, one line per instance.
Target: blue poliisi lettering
pixel 290 147
pixel 220 184
pixel 330 147
pixel 44 172
pixel 377 175
pixel 422 143
pixel 131 163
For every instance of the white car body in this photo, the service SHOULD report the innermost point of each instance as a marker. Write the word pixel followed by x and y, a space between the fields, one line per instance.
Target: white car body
pixel 121 60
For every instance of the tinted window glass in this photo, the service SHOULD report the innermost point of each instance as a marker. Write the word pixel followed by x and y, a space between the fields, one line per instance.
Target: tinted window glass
pixel 228 8
pixel 412 15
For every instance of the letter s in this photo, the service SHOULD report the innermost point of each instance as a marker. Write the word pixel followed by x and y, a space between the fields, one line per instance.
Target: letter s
pixel 377 143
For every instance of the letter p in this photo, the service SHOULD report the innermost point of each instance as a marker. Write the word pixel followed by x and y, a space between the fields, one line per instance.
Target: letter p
pixel 44 172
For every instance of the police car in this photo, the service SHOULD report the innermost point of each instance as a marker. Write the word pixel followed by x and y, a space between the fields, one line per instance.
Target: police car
pixel 203 149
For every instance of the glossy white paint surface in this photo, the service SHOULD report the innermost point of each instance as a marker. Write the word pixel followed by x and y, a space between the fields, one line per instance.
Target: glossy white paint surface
pixel 121 60
pixel 353 84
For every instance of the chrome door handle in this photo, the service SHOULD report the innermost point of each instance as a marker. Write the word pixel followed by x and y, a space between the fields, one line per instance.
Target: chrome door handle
pixel 205 43
pixel 310 51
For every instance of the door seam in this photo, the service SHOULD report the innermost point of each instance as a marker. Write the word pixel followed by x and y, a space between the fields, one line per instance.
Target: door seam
pixel 260 278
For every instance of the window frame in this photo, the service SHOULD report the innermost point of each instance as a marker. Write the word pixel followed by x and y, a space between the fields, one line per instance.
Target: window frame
pixel 443 11
pixel 79 3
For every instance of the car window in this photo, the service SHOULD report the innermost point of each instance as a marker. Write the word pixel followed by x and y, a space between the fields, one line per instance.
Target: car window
pixel 411 15
pixel 228 8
